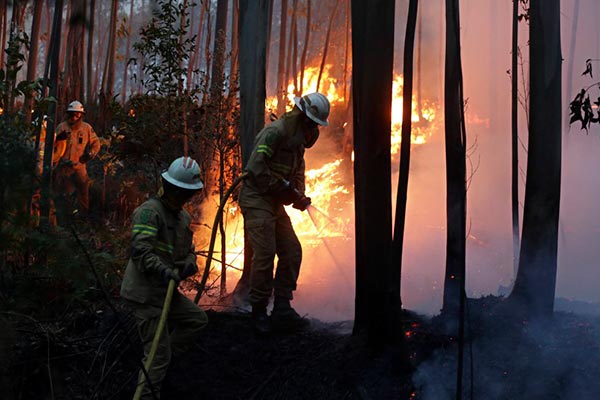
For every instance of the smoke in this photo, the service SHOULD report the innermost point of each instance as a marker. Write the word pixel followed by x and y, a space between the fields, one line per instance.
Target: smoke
pixel 545 360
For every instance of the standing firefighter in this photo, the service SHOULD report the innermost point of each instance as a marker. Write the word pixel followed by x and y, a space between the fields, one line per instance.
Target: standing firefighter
pixel 276 178
pixel 77 143
pixel 162 250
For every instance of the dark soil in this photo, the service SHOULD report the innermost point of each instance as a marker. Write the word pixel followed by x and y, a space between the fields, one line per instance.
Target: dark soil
pixel 88 355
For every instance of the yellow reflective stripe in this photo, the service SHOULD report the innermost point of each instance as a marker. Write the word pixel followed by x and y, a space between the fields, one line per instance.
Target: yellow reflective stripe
pixel 145 229
pixel 143 226
pixel 263 148
pixel 280 167
pixel 167 248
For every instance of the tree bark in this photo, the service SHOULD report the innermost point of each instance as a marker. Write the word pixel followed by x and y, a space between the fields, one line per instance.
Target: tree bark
pixel 73 85
pixel 281 90
pixel 218 61
pixel 90 92
pixel 455 165
pixel 33 56
pixel 127 54
pixel 515 134
pixel 572 46
pixel 253 54
pixel 372 22
pixel 535 284
pixel 108 80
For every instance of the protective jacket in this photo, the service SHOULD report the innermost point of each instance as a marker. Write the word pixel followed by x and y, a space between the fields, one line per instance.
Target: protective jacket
pixel 82 143
pixel 160 237
pixel 278 155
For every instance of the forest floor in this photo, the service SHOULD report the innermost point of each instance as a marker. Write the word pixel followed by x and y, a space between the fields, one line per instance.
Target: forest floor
pixel 88 355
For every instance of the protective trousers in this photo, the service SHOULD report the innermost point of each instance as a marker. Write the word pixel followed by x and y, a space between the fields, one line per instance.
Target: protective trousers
pixel 74 179
pixel 184 323
pixel 270 234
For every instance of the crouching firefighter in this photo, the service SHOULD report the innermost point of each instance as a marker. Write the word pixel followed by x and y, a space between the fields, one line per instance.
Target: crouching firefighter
pixel 162 250
pixel 275 177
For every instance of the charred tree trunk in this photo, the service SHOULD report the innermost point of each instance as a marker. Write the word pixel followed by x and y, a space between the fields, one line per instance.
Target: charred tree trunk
pixel 455 165
pixel 4 28
pixel 253 54
pixel 218 61
pixel 234 66
pixel 402 193
pixel 291 49
pixel 515 134
pixel 373 22
pixel 192 65
pixel 535 284
pixel 108 80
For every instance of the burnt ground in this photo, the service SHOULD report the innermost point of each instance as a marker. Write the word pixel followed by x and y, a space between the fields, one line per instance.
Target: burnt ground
pixel 87 355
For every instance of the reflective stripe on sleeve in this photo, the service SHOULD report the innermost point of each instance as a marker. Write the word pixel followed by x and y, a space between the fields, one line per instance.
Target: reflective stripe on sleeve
pixel 263 148
pixel 164 247
pixel 145 229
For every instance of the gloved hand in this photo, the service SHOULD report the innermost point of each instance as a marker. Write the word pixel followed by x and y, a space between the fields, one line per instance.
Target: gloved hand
pixel 169 274
pixel 302 203
pixel 187 269
pixel 62 135
pixel 289 194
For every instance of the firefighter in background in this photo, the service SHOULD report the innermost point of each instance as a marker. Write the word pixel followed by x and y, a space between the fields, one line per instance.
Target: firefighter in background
pixel 76 144
pixel 276 178
pixel 162 249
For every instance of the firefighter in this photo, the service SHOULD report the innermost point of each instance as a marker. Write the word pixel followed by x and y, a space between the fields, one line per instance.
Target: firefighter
pixel 162 249
pixel 276 178
pixel 76 143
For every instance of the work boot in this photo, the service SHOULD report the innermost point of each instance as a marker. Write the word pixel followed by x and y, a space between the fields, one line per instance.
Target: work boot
pixel 260 320
pixel 285 319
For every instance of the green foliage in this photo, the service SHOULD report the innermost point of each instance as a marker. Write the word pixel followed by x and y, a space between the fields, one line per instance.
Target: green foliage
pixel 162 49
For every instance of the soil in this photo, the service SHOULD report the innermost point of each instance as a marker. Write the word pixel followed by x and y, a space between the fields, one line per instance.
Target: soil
pixel 88 356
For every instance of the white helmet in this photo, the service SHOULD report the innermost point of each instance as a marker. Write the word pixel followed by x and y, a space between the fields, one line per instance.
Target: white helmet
pixel 315 106
pixel 184 173
pixel 76 106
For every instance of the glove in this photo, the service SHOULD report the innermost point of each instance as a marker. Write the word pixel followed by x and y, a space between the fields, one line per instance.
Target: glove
pixel 302 203
pixel 187 270
pixel 169 274
pixel 62 135
pixel 289 194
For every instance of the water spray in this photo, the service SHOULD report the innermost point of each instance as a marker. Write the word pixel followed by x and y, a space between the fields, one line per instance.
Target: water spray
pixel 312 210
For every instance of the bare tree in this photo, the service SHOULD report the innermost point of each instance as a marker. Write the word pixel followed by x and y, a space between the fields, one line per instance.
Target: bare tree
pixel 33 55
pixel 535 284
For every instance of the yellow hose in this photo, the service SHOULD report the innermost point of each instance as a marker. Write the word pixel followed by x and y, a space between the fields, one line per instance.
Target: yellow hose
pixel 159 329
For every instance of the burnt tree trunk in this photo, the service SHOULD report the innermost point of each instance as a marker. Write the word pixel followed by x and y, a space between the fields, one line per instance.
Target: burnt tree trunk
pixel 515 134
pixel 326 45
pixel 127 53
pixel 300 86
pixel 252 60
pixel 455 165
pixel 73 85
pixel 535 284
pixel 90 92
pixel 372 22
pixel 33 56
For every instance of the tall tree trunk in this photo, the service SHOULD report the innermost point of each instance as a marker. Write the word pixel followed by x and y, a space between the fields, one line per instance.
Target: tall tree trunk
pixel 234 65
pixel 194 58
pixel 455 165
pixel 73 85
pixel 535 284
pixel 402 193
pixel 326 46
pixel 4 29
pixel 291 49
pixel 373 22
pixel 218 61
pixel 281 90
pixel 90 92
pixel 253 55
pixel 108 80
pixel 300 86
pixel 33 55
pixel 515 134
pixel 127 53
pixel 347 53
pixel 49 144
